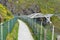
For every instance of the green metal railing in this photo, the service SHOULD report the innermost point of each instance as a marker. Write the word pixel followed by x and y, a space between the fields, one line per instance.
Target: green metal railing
pixel 6 28
pixel 34 26
pixel 36 29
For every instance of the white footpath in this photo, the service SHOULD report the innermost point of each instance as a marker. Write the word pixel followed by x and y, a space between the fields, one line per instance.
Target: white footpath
pixel 24 32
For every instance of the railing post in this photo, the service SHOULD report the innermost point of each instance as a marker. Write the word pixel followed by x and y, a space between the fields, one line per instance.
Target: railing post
pixel 53 33
pixel 41 31
pixel 32 25
pixel 35 26
pixel 1 31
pixel 45 31
pixel 8 27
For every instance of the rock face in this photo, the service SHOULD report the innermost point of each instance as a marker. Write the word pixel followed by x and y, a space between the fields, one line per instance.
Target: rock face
pixel 32 9
pixel 21 8
pixel 3 2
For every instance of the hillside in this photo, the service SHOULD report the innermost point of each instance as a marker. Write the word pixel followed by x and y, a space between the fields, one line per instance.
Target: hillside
pixel 32 6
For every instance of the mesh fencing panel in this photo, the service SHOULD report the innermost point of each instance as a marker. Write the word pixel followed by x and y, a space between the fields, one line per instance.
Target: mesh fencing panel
pixel 6 28
pixel 36 29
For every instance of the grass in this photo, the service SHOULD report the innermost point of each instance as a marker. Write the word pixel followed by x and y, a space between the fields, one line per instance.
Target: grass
pixel 14 33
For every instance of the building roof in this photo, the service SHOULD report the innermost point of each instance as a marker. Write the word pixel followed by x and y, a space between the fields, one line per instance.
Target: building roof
pixel 37 15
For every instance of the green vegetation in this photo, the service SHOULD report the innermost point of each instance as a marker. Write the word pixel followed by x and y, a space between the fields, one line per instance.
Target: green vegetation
pixel 46 6
pixel 5 13
pixel 14 33
pixel 56 21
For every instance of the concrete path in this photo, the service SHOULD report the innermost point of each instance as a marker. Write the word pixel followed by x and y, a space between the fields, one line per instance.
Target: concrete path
pixel 24 33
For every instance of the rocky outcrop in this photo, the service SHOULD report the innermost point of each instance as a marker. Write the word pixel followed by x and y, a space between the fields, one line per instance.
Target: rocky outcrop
pixel 21 8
